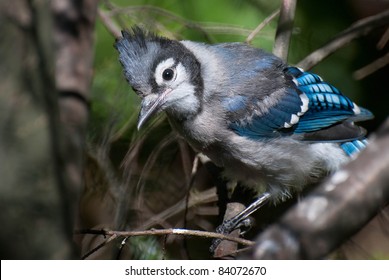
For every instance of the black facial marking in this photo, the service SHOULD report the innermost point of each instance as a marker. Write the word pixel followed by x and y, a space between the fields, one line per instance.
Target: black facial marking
pixel 142 51
pixel 137 91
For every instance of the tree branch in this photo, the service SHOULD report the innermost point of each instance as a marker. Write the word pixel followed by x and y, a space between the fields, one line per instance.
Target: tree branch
pixel 356 30
pixel 384 40
pixel 73 29
pixel 226 247
pixel 111 26
pixel 372 67
pixel 284 29
pixel 261 26
pixel 320 223
pixel 201 27
pixel 173 231
pixel 98 247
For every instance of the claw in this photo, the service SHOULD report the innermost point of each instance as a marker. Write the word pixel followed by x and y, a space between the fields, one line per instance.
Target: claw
pixel 239 220
pixel 245 225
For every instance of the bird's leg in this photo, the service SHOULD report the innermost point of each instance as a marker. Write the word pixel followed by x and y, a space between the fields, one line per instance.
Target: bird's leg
pixel 239 220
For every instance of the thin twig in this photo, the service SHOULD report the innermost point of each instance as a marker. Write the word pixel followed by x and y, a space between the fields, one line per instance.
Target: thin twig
pixel 169 139
pixel 191 180
pixel 356 30
pixel 109 23
pixel 172 231
pixel 201 27
pixel 371 67
pixel 98 247
pixel 384 40
pixel 261 26
pixel 284 29
pixel 122 244
pixel 194 199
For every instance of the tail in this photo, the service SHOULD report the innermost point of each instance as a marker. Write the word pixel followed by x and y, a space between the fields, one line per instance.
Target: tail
pixel 354 147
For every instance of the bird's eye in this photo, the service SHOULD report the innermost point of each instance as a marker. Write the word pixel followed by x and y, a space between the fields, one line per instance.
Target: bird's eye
pixel 168 74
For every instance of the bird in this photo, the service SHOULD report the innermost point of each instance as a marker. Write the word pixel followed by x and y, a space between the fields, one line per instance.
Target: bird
pixel 272 127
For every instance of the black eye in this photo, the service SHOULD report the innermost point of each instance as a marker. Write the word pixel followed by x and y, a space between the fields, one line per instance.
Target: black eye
pixel 168 74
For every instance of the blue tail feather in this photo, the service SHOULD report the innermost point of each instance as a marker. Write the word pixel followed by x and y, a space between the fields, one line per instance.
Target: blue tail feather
pixel 353 147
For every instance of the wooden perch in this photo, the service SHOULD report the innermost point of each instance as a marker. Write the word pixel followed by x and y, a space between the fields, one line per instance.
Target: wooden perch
pixel 335 211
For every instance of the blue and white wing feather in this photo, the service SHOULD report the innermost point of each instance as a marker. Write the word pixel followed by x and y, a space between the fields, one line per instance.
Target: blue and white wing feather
pixel 309 110
pixel 327 105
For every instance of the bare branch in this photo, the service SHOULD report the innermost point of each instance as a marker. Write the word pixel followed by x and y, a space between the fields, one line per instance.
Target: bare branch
pixel 199 26
pixel 111 26
pixel 261 26
pixel 356 30
pixel 185 232
pixel 320 223
pixel 384 40
pixel 226 247
pixel 371 67
pixel 73 29
pixel 98 247
pixel 284 29
pixel 194 199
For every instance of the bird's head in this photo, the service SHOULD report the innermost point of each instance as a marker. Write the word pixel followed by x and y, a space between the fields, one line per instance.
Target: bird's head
pixel 165 74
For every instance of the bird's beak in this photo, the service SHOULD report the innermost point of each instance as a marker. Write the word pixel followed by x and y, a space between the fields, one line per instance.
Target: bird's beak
pixel 150 106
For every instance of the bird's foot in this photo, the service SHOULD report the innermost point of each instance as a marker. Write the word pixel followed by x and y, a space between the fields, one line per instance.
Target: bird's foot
pixel 241 220
pixel 229 226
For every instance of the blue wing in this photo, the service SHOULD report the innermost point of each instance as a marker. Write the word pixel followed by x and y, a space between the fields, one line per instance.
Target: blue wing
pixel 308 107
pixel 256 122
pixel 327 105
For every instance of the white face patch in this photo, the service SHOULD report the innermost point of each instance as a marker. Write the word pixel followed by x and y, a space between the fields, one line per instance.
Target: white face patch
pixel 180 74
pixel 162 66
pixel 181 97
pixel 183 100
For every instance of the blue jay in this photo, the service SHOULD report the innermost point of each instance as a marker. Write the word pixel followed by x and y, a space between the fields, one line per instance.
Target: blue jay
pixel 271 126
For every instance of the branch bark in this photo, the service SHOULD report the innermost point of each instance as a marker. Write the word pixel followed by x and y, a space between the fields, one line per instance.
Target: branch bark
pixel 175 231
pixel 51 46
pixel 172 231
pixel 73 28
pixel 335 211
pixel 227 247
pixel 284 29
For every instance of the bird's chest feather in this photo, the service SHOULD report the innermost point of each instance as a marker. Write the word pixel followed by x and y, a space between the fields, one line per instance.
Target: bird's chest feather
pixel 259 163
pixel 199 130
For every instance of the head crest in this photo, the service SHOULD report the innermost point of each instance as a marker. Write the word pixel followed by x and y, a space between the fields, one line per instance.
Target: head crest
pixel 137 51
pixel 139 39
